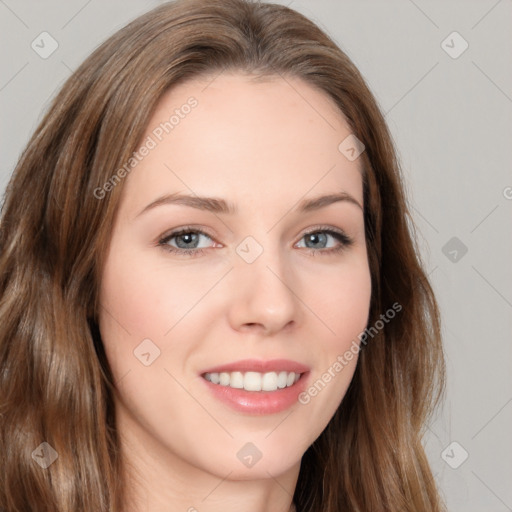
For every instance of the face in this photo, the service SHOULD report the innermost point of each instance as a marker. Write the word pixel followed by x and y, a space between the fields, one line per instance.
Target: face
pixel 206 302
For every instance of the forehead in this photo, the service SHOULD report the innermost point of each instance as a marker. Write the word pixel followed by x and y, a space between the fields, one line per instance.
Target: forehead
pixel 271 139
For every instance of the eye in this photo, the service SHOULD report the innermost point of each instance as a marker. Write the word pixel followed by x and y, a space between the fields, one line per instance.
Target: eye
pixel 187 241
pixel 326 240
pixel 184 241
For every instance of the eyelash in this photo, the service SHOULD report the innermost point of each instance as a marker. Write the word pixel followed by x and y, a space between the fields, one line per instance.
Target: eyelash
pixel 344 240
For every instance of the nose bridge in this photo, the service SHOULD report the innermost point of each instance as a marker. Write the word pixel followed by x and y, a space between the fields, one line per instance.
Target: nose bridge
pixel 263 291
pixel 265 259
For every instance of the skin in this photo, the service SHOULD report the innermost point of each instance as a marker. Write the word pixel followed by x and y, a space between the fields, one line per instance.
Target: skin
pixel 263 146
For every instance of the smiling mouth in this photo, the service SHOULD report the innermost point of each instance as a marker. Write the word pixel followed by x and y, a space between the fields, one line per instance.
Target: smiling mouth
pixel 254 381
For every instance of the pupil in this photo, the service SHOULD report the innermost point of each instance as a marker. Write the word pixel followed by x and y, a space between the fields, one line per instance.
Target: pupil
pixel 316 237
pixel 188 238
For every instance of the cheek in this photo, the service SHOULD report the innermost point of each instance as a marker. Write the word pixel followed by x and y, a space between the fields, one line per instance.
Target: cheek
pixel 147 299
pixel 130 308
pixel 342 301
pixel 142 298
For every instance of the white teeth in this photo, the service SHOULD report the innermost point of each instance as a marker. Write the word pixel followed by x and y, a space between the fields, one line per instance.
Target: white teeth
pixel 254 381
pixel 282 379
pixel 269 381
pixel 237 380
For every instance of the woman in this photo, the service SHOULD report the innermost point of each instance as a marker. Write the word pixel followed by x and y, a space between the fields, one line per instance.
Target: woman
pixel 211 298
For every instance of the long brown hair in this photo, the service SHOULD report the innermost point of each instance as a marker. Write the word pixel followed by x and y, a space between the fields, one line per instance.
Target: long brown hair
pixel 55 382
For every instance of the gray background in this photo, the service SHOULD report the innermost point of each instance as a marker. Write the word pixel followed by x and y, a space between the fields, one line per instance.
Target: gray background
pixel 451 119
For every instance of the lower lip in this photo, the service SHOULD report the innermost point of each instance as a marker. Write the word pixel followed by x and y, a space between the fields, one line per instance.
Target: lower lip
pixel 258 402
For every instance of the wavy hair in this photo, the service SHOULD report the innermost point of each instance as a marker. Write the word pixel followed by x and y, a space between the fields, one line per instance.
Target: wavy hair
pixel 55 381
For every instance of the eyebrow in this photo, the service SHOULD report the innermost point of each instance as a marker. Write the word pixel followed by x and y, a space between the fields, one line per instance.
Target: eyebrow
pixel 216 205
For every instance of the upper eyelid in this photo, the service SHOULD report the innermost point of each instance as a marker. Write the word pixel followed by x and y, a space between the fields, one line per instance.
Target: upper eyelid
pixel 182 231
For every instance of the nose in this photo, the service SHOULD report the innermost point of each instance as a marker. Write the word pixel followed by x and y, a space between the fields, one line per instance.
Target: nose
pixel 264 300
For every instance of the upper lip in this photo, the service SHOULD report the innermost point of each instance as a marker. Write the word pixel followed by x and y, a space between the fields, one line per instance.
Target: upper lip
pixel 259 365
